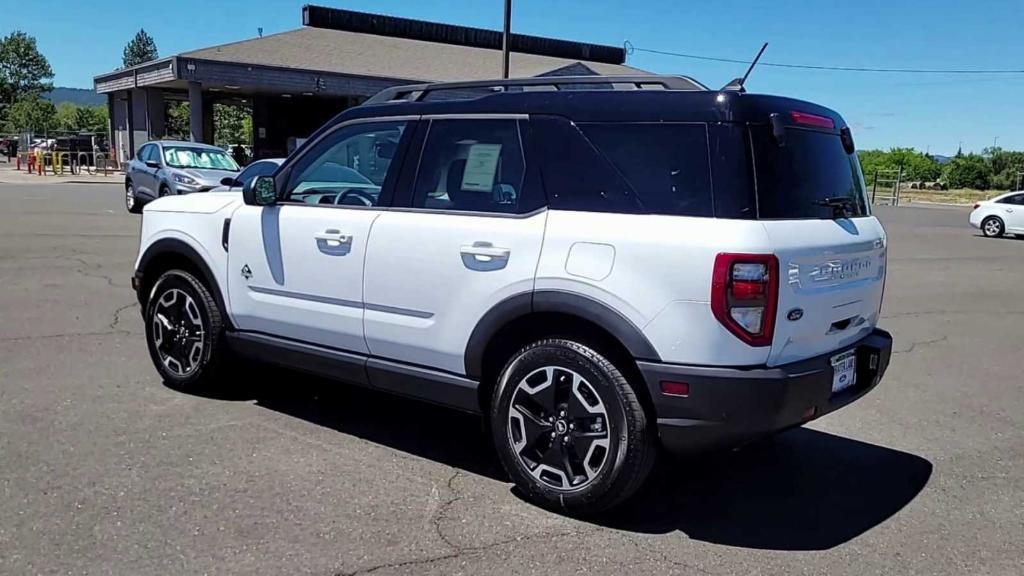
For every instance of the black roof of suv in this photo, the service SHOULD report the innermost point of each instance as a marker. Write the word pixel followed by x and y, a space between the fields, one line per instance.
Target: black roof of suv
pixel 586 99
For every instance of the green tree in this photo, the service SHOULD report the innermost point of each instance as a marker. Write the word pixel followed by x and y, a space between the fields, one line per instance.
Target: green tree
pixel 32 113
pixel 232 124
pixel 67 117
pixel 916 165
pixel 24 71
pixel 176 123
pixel 968 171
pixel 141 49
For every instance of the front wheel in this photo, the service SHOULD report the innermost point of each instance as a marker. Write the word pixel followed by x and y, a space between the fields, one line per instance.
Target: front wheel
pixel 569 429
pixel 992 227
pixel 131 202
pixel 184 331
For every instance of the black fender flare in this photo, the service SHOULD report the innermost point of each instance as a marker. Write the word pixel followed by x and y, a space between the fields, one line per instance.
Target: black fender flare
pixel 564 302
pixel 177 247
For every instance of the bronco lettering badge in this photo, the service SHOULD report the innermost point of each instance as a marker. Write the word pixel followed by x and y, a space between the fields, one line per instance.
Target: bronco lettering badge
pixel 795 314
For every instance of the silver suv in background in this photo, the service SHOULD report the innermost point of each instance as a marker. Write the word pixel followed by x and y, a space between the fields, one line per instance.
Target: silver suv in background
pixel 171 167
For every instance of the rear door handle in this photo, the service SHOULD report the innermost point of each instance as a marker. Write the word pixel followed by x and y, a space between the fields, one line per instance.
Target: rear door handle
pixel 484 256
pixel 333 242
pixel 485 253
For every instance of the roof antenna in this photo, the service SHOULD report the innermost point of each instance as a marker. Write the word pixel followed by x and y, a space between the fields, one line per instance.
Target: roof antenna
pixel 737 84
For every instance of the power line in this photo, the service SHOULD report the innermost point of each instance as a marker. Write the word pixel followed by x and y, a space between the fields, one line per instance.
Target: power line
pixel 630 49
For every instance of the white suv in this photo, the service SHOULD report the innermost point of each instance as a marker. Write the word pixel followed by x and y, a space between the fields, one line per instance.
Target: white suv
pixel 598 271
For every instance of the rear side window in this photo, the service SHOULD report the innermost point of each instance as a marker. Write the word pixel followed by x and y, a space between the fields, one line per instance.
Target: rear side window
pixel 1015 199
pixel 472 165
pixel 666 165
pixel 795 179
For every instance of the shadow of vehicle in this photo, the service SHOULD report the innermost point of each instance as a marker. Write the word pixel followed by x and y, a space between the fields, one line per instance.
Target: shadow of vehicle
pixel 802 490
pixel 447 436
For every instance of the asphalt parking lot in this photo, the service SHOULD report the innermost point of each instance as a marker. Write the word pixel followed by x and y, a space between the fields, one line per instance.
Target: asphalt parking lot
pixel 103 469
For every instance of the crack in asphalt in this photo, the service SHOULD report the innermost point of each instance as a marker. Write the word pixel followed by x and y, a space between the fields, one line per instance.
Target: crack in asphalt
pixel 916 343
pixel 112 329
pixel 939 312
pixel 457 550
pixel 665 558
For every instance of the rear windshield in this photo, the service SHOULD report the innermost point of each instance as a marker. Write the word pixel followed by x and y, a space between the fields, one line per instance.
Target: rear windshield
pixel 795 180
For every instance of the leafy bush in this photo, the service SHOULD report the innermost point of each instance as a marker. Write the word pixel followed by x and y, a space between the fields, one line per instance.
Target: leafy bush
pixel 970 171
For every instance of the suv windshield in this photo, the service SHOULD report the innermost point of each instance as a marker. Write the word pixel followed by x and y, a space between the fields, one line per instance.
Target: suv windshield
pixel 801 178
pixel 208 158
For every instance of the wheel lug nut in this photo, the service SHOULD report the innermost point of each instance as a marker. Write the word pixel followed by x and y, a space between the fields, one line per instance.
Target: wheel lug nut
pixel 572 426
pixel 552 434
pixel 565 439
pixel 561 414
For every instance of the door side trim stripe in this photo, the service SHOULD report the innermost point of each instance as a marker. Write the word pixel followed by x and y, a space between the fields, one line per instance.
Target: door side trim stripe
pixel 342 302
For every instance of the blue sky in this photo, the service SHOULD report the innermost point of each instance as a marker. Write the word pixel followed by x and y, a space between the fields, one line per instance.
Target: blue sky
pixel 82 40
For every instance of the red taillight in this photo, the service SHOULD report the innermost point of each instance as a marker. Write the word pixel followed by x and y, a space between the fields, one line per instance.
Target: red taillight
pixel 976 205
pixel 812 120
pixel 745 294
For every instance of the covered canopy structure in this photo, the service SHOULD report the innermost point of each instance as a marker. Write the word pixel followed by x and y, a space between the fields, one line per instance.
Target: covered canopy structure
pixel 297 80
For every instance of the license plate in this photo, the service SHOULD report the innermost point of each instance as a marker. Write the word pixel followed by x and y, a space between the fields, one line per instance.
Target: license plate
pixel 844 371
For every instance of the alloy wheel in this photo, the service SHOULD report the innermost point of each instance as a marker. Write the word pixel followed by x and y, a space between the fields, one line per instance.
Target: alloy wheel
pixel 178 332
pixel 129 197
pixel 558 428
pixel 993 227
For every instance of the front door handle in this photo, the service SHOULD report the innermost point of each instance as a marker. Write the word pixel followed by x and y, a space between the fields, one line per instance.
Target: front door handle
pixel 333 242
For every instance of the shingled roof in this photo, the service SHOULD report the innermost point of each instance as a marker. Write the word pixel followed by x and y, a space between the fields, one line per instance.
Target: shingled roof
pixel 342 52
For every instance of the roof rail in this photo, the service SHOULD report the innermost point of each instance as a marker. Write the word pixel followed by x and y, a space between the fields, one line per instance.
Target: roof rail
pixel 416 92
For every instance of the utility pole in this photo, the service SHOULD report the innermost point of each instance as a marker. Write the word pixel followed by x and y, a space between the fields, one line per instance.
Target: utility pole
pixel 505 37
pixel 994 140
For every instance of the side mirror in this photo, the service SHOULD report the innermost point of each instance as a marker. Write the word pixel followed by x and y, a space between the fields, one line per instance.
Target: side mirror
pixel 152 163
pixel 260 191
pixel 227 181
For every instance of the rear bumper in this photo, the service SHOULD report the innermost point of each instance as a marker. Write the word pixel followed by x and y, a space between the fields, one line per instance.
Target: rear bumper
pixel 729 406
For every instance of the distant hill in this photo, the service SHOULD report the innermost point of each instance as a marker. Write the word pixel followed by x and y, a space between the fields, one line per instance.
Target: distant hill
pixel 76 96
pixel 941 159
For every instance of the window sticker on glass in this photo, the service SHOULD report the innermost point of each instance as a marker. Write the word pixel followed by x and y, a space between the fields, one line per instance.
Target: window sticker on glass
pixel 481 167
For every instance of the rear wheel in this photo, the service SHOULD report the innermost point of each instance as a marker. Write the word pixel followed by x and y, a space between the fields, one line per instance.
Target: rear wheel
pixel 569 429
pixel 131 203
pixel 992 227
pixel 184 331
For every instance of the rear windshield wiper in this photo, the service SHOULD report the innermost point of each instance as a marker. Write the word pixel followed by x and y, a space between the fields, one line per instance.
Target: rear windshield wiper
pixel 842 206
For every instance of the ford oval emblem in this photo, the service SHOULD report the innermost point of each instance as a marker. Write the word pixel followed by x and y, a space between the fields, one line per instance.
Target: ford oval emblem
pixel 795 314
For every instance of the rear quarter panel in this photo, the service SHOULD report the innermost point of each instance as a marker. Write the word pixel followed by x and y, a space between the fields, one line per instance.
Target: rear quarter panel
pixel 656 271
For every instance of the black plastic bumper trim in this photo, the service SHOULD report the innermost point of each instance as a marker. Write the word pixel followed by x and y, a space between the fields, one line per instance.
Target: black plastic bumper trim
pixel 728 406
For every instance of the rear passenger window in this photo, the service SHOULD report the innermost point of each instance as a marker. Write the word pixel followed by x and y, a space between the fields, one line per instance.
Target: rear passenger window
pixel 471 165
pixel 666 165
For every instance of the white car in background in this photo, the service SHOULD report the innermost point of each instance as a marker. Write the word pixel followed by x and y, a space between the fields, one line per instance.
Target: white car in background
pixel 264 167
pixel 1000 215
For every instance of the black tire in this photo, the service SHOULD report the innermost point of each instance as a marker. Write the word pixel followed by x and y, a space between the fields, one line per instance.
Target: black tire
pixel 630 451
pixel 131 201
pixel 993 227
pixel 198 368
pixel 164 191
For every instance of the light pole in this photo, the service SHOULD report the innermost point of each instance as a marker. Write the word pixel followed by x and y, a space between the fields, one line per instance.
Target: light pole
pixel 505 37
pixel 994 141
